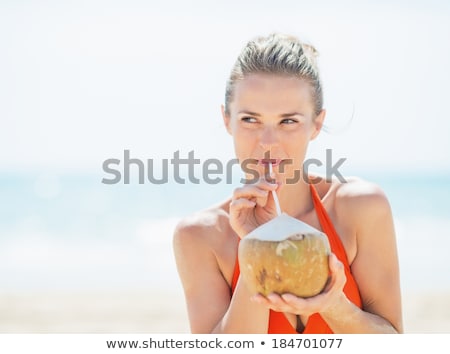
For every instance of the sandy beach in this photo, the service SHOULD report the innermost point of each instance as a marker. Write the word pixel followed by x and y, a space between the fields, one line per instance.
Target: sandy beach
pixel 158 312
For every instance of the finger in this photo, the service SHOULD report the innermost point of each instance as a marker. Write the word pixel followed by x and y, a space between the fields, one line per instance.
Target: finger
pixel 264 301
pixel 259 200
pixel 336 266
pixel 249 192
pixel 296 304
pixel 334 263
pixel 237 205
pixel 258 192
pixel 290 298
pixel 240 210
pixel 273 301
pixel 337 273
pixel 277 303
pixel 260 299
pixel 268 185
pixel 265 183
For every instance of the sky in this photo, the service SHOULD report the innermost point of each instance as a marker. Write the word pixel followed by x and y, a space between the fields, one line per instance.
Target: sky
pixel 82 81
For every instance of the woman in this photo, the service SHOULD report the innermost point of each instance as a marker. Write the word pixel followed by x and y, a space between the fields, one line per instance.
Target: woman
pixel 273 108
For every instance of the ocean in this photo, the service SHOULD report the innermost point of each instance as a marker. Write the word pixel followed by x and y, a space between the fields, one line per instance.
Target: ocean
pixel 69 231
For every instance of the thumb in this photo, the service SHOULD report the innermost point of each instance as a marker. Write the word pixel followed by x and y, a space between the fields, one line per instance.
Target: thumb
pixel 334 263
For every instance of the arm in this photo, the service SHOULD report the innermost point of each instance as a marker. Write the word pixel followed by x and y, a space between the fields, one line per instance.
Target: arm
pixel 375 266
pixel 210 306
pixel 211 309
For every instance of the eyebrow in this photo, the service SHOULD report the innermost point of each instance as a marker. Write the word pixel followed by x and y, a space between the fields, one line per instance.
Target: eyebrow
pixel 284 115
pixel 250 113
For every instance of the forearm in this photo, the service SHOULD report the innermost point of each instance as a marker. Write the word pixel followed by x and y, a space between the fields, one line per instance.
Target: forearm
pixel 243 315
pixel 346 317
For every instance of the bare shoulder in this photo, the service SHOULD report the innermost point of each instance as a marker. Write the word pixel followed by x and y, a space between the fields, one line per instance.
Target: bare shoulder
pixel 204 241
pixel 360 199
pixel 205 227
pixel 359 192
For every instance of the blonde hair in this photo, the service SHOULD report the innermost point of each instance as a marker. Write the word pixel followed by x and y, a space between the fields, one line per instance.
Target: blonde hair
pixel 277 54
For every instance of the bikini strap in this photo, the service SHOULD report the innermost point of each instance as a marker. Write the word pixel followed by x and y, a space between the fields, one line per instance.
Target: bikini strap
pixel 236 273
pixel 327 226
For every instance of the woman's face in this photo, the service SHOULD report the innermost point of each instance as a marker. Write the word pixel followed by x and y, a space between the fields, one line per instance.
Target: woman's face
pixel 271 118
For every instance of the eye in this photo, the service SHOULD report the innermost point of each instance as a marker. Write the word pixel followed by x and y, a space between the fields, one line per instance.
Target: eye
pixel 248 119
pixel 289 121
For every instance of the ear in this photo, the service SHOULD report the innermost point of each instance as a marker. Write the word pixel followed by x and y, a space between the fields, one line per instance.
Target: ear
pixel 226 119
pixel 318 123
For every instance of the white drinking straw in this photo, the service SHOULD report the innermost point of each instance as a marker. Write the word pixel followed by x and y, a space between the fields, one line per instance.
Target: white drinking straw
pixel 274 194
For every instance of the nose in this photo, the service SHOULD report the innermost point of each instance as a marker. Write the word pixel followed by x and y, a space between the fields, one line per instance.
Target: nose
pixel 268 138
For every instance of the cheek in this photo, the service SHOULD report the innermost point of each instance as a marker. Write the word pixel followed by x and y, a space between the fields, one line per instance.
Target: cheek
pixel 243 147
pixel 295 141
pixel 296 149
pixel 244 138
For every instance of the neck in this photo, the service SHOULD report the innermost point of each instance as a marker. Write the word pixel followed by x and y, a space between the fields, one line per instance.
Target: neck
pixel 295 199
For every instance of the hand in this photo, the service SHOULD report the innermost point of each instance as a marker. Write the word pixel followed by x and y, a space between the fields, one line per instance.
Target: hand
pixel 251 206
pixel 326 301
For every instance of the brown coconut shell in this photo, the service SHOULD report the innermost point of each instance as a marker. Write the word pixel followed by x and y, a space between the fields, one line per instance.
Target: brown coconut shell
pixel 297 264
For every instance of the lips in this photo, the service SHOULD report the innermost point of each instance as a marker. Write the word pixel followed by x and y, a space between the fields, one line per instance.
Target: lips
pixel 274 161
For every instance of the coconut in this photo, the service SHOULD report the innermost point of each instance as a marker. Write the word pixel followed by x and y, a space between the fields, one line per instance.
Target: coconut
pixel 285 255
